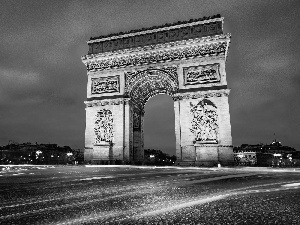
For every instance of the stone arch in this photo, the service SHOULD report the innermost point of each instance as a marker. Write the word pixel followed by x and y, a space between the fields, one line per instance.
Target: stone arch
pixel 184 60
pixel 141 85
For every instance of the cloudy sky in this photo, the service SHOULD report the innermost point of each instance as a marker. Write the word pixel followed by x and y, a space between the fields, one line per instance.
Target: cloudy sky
pixel 43 81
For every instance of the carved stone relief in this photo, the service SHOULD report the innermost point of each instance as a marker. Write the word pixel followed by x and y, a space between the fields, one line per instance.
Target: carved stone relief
pixel 103 126
pixel 105 84
pixel 201 94
pixel 169 54
pixel 136 120
pixel 201 74
pixel 132 78
pixel 141 85
pixel 205 121
pixel 116 101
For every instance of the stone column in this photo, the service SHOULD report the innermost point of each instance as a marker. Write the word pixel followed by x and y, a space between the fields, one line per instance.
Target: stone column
pixel 177 130
pixel 107 138
pixel 184 144
pixel 137 136
pixel 127 132
pixel 225 148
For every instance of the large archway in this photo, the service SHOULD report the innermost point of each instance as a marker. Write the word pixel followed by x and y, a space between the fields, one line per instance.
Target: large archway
pixel 159 124
pixel 185 61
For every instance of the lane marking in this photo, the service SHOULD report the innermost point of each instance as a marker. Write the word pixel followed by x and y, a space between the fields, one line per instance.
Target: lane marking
pixel 96 178
pixel 291 185
pixel 74 204
pixel 184 205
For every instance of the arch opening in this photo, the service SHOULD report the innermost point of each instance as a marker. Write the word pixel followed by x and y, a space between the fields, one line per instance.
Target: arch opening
pixel 142 85
pixel 159 125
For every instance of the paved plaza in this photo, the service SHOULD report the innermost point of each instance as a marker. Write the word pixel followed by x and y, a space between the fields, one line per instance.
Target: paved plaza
pixel 149 195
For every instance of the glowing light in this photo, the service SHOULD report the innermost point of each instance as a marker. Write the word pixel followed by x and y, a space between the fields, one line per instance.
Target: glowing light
pixel 38 152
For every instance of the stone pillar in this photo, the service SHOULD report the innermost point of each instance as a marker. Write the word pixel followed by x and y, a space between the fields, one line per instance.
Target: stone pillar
pixel 138 141
pixel 185 150
pixel 102 152
pixel 225 148
pixel 142 137
pixel 207 154
pixel 177 130
pixel 202 127
pixel 106 140
pixel 127 146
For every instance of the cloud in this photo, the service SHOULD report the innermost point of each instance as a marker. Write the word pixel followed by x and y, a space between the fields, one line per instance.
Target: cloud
pixel 18 78
pixel 16 84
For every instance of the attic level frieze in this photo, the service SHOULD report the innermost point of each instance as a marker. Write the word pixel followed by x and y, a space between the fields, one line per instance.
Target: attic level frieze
pixel 153 29
pixel 159 46
pixel 163 34
pixel 185 50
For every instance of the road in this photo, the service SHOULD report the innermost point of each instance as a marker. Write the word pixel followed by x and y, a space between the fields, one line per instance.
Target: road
pixel 149 195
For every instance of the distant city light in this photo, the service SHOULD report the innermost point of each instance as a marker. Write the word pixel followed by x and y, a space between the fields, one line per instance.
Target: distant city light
pixel 38 152
pixel 152 156
pixel 277 154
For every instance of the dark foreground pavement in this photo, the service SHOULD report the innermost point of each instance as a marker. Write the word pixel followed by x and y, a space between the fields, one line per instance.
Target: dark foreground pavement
pixel 149 195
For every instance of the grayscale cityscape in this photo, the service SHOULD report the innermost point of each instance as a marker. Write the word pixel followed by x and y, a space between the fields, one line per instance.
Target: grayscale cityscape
pixel 149 112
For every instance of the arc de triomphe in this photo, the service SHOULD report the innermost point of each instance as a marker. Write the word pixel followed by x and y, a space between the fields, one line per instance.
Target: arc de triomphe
pixel 185 60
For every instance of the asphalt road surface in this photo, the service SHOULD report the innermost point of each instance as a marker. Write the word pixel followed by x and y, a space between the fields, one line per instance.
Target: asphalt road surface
pixel 149 195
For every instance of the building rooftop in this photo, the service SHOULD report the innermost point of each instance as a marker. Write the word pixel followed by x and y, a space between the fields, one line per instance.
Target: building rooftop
pixel 157 27
pixel 170 32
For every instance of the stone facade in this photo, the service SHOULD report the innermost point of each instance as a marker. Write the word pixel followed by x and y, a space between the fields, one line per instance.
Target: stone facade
pixel 191 71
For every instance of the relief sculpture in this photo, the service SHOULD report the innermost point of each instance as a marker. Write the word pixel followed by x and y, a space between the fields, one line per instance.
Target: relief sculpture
pixel 205 121
pixel 103 126
pixel 158 56
pixel 105 85
pixel 201 74
pixel 136 120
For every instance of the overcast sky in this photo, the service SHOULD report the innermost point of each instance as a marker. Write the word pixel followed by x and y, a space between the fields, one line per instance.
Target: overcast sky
pixel 43 81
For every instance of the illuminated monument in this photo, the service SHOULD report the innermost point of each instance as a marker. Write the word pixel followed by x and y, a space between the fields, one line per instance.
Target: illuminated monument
pixel 185 60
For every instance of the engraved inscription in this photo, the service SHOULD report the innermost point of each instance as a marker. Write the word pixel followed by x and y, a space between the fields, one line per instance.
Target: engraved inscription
pixel 105 85
pixel 201 74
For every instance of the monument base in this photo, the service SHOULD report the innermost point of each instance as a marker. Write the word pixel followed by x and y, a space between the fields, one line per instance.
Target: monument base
pixel 207 154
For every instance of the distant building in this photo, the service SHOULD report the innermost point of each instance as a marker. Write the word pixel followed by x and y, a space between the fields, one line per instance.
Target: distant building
pixel 274 154
pixel 28 153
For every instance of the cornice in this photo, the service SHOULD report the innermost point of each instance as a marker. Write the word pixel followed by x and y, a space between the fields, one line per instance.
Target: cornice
pixel 201 40
pixel 152 30
pixel 105 102
pixel 214 145
pixel 201 94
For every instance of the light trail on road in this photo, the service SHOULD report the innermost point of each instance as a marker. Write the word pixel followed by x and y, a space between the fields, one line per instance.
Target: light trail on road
pixel 129 196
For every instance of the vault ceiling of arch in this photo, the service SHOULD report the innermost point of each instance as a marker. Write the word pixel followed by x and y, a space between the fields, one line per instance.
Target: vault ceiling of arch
pixel 142 85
